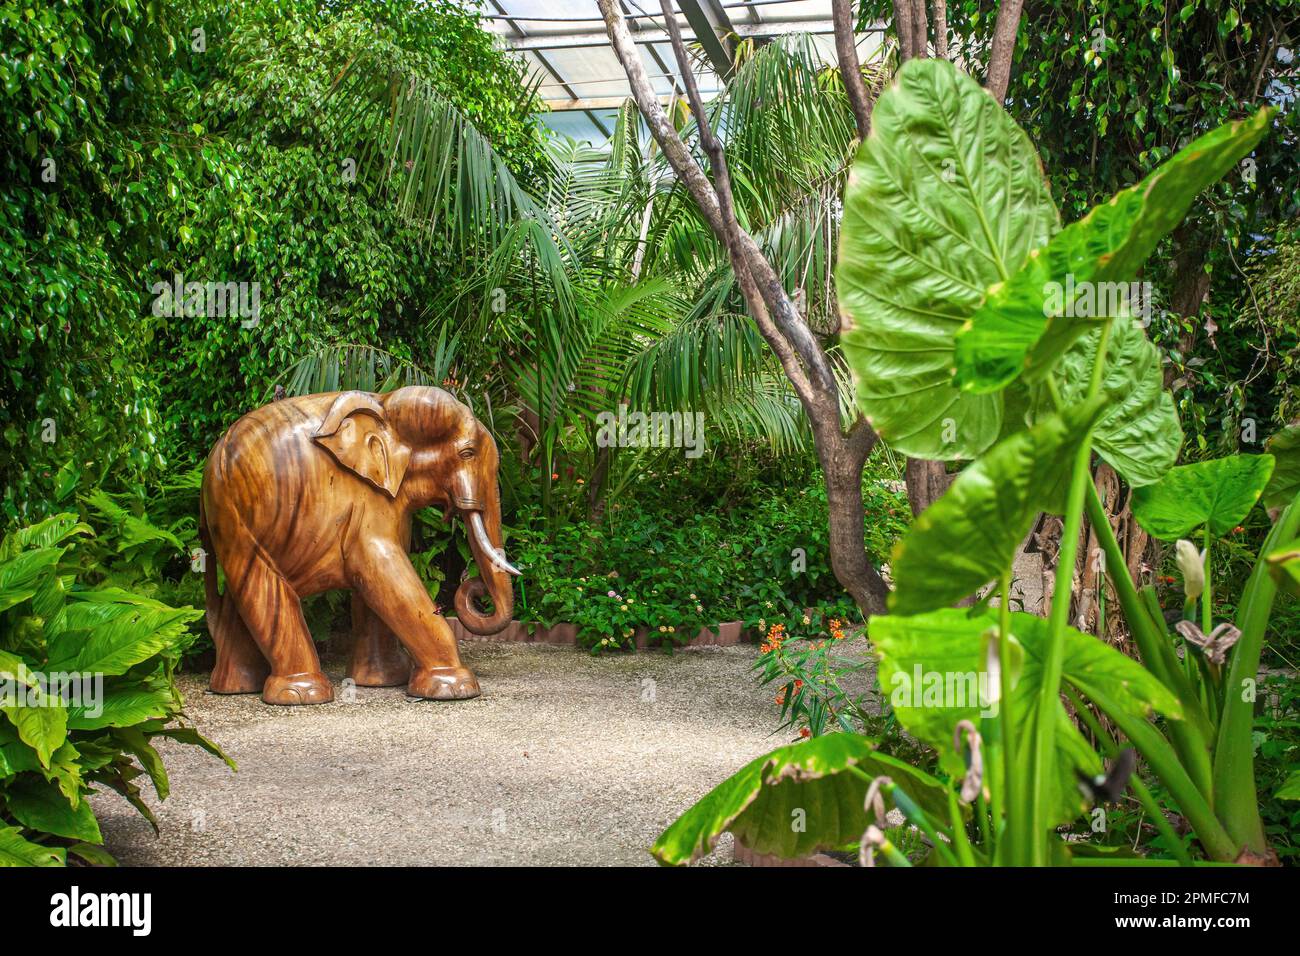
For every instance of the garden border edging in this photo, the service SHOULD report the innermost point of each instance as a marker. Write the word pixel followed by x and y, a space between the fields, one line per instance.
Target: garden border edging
pixel 725 634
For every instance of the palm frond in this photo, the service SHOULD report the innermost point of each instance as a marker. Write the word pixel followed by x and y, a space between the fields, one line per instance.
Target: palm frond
pixel 441 172
pixel 344 366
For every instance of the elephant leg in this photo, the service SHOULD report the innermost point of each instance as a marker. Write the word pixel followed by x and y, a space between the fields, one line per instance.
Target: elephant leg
pixel 377 658
pixel 240 666
pixel 391 588
pixel 273 613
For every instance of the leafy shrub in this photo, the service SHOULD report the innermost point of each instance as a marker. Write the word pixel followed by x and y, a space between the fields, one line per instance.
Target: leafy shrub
pixel 86 675
pixel 675 554
pixel 1276 738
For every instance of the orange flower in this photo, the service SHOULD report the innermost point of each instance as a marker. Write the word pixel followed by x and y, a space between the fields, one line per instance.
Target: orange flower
pixel 805 733
pixel 775 637
pixel 780 698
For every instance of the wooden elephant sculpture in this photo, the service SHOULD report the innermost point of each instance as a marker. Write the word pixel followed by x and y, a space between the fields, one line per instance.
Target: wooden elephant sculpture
pixel 308 494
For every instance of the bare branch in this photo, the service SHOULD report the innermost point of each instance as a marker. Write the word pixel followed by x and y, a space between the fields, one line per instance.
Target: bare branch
pixel 1004 48
pixel 782 327
pixel 661 127
pixel 702 192
pixel 846 51
pixel 745 253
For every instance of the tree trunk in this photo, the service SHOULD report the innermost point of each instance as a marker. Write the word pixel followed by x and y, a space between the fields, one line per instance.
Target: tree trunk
pixel 842 458
pixel 841 454
pixel 926 483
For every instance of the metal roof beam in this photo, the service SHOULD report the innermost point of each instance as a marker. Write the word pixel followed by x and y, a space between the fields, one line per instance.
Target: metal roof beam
pixel 714 32
pixel 568 41
pixel 595 103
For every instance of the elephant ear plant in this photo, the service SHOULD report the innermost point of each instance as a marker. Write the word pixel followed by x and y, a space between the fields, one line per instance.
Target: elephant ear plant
pixel 85 691
pixel 978 328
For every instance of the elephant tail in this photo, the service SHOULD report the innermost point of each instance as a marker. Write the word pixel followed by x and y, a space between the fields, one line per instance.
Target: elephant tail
pixel 211 593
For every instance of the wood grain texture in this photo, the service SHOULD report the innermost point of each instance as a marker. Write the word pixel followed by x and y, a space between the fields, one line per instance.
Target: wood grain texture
pixel 316 493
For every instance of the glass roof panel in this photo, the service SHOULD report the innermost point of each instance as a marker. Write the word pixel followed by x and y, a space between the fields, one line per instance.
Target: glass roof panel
pixel 563 43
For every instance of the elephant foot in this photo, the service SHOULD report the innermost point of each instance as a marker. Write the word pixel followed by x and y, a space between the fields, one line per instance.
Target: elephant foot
pixel 290 690
pixel 443 683
pixel 380 667
pixel 235 678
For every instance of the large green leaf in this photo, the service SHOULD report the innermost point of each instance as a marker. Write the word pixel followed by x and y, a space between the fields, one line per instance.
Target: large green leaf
pixel 1290 789
pixel 13 667
pixel 43 534
pixel 26 570
pixel 946 197
pixel 969 536
pixel 1138 433
pixel 136 743
pixel 796 800
pixel 1020 330
pixel 1284 446
pixel 39 805
pixel 1284 565
pixel 64 768
pixel 41 723
pixel 933 671
pixel 16 851
pixel 108 638
pixel 123 706
pixel 1219 492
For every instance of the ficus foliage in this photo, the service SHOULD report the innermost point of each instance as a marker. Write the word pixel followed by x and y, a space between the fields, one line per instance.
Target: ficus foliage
pixel 144 141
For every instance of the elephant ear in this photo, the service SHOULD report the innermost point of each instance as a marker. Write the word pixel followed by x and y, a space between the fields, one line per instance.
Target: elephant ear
pixel 357 433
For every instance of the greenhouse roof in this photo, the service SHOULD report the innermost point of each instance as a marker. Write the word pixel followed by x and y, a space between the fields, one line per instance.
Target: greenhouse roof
pixel 582 82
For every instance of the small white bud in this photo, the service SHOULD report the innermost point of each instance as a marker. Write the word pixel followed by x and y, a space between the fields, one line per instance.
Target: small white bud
pixel 1192 563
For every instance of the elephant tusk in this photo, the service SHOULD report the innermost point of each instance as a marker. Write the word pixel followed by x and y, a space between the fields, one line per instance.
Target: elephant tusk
pixel 496 557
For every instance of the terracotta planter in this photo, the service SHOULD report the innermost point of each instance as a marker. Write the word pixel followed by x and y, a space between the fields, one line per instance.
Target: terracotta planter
pixel 562 633
pixel 730 633
pixel 726 634
pixel 515 631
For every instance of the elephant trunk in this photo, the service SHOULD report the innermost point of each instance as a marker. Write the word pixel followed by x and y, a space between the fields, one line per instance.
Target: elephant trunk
pixel 494 579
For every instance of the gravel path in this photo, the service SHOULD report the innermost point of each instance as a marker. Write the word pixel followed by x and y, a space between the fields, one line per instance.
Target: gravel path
pixel 565 759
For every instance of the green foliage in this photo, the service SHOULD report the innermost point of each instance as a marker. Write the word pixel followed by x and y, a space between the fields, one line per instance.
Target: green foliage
pixel 935 667
pixel 1217 494
pixel 86 674
pixel 1276 738
pixel 820 783
pixel 335 258
pixel 947 199
pixel 1138 432
pixel 678 554
pixel 1282 488
pixel 1018 330
pixel 1033 754
pixel 145 142
pixel 816 675
pixel 92 155
pixel 970 535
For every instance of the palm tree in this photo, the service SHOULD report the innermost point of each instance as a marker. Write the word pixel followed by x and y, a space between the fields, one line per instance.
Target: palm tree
pixel 604 285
